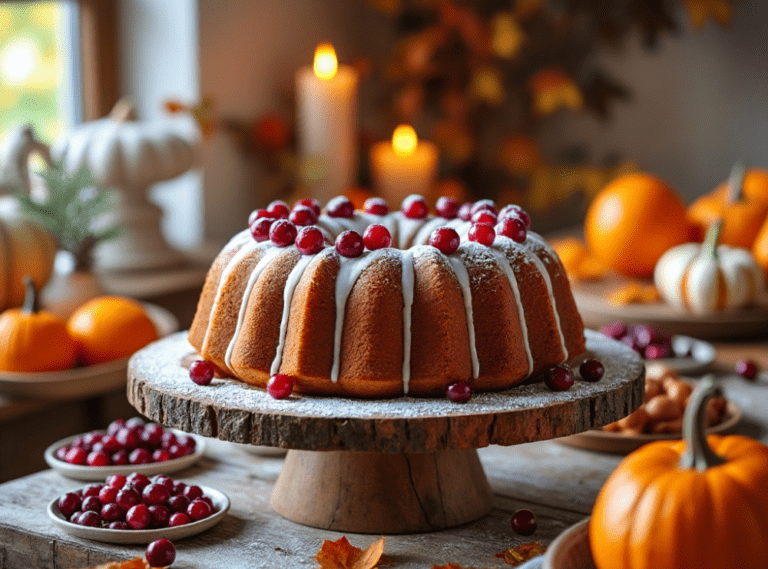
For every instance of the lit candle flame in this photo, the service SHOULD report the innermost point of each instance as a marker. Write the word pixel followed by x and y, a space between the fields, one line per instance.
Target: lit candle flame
pixel 325 65
pixel 404 140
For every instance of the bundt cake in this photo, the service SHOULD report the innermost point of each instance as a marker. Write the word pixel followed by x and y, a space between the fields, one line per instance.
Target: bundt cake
pixel 468 295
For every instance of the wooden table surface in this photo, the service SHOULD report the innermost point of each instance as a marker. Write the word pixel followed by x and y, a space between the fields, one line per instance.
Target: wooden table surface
pixel 559 484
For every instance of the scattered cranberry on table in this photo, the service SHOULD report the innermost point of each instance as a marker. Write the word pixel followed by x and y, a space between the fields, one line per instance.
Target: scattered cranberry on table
pixel 559 377
pixel 161 553
pixel 280 386
pixel 747 369
pixel 524 522
pixel 459 392
pixel 591 370
pixel 201 372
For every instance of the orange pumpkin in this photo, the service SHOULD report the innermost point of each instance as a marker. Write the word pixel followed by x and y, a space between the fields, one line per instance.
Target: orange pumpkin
pixel 34 341
pixel 633 221
pixel 699 502
pixel 760 248
pixel 742 213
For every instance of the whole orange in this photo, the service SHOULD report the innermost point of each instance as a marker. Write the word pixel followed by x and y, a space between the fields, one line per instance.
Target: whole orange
pixel 633 221
pixel 109 328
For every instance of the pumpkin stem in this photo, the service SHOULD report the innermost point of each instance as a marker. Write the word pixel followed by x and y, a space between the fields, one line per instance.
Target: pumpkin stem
pixel 713 238
pixel 698 454
pixel 31 301
pixel 736 182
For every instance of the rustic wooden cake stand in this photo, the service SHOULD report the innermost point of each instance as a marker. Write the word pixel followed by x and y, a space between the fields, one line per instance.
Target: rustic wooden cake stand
pixel 402 465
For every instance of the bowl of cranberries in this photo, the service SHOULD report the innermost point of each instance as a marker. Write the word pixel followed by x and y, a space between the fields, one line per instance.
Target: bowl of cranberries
pixel 133 508
pixel 133 445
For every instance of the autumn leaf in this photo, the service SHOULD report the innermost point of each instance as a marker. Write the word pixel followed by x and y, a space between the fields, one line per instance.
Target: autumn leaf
pixel 719 10
pixel 553 89
pixel 340 554
pixel 518 555
pixel 135 563
pixel 451 566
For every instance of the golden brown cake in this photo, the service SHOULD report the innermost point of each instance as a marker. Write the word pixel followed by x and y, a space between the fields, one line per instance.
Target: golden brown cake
pixel 406 319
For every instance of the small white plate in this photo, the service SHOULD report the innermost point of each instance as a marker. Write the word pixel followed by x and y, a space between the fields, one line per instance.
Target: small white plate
pixel 100 473
pixel 219 499
pixel 702 355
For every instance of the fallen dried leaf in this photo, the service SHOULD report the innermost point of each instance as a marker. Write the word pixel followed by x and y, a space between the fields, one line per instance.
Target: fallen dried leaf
pixel 451 566
pixel 518 555
pixel 340 554
pixel 135 563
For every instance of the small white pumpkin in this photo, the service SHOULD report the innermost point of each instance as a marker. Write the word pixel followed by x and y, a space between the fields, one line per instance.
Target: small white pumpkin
pixel 708 278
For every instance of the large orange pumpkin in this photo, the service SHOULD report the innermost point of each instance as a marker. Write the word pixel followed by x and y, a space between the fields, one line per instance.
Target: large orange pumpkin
pixel 760 247
pixel 701 502
pixel 633 221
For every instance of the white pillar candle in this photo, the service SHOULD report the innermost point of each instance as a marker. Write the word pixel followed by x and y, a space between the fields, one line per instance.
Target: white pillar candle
pixel 326 99
pixel 403 166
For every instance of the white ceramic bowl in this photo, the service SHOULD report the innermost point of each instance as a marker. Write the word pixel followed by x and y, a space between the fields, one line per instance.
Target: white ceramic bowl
pixel 100 473
pixel 219 499
pixel 570 550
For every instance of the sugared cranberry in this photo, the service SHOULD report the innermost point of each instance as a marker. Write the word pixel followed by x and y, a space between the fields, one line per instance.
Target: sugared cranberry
pixel 340 206
pixel 515 211
pixel 152 435
pixel 178 488
pixel 193 492
pixel 134 422
pixel 484 216
pixel 201 372
pixel 177 451
pixel 138 481
pixel 98 458
pixel 77 455
pixel 112 513
pixel 116 480
pixel 89 519
pixel 178 503
pixel 155 494
pixel 481 205
pixel 120 457
pixel 524 522
pixel 127 498
pixel 350 244
pixel 615 330
pixel 68 504
pixel 169 438
pixel 178 519
pixel 108 494
pixel 257 214
pixel 747 369
pixel 459 392
pixel 75 518
pixel 115 426
pixel 310 203
pixel 161 553
pixel 303 215
pixel 482 233
pixel 78 442
pixel 559 377
pixel 119 525
pixel 186 441
pixel 127 438
pixel 110 444
pixel 140 456
pixel 447 208
pixel 591 370
pixel 91 503
pixel 657 351
pixel 445 240
pixel 92 490
pixel 465 212
pixel 92 438
pixel 278 209
pixel 261 227
pixel 414 207
pixel 645 335
pixel 61 453
pixel 377 237
pixel 376 206
pixel 138 517
pixel 280 386
pixel 310 240
pixel 198 510
pixel 158 516
pixel 513 228
pixel 283 233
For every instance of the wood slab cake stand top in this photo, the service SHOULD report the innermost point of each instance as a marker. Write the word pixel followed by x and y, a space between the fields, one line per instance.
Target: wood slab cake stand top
pixel 402 465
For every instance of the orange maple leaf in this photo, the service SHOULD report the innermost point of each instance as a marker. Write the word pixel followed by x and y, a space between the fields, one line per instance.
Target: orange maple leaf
pixel 719 10
pixel 340 554
pixel 552 89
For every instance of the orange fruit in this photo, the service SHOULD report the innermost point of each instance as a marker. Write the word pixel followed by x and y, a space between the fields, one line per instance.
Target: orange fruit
pixel 633 221
pixel 109 328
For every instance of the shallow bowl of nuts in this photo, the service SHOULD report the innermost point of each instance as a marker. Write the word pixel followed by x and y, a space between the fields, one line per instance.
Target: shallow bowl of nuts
pixel 132 445
pixel 136 509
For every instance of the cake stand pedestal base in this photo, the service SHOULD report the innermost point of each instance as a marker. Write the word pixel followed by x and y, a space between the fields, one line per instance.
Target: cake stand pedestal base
pixel 369 492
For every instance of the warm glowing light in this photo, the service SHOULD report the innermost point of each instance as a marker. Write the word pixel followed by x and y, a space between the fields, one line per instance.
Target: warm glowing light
pixel 19 60
pixel 325 61
pixel 404 140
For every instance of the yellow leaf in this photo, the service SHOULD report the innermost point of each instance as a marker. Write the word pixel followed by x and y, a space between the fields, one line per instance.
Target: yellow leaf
pixel 719 10
pixel 518 555
pixel 506 37
pixel 552 89
pixel 340 554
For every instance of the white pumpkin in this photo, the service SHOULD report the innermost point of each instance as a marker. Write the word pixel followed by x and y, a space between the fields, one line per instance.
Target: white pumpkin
pixel 708 278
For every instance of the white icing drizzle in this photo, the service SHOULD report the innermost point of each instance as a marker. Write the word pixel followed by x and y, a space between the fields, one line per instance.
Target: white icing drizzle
pixel 290 286
pixel 408 281
pixel 269 254
pixel 422 236
pixel 407 229
pixel 462 275
pixel 503 262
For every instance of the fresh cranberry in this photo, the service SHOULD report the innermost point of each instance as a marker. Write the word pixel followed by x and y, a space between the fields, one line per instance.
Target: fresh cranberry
pixel 119 525
pixel 69 503
pixel 591 370
pixel 645 335
pixel 515 211
pixel 61 453
pixel 310 203
pixel 120 457
pixel 116 480
pixel 75 518
pixel 155 494
pixel 198 510
pixel 513 228
pixel 140 456
pixel 376 206
pixel 158 515
pixel 98 458
pixel 377 237
pixel 657 352
pixel 77 455
pixel 340 206
pixel 524 522
pixel 92 490
pixel 166 481
pixel 447 208
pixel 127 438
pixel 465 212
pixel 178 519
pixel 459 392
pixel 178 488
pixel 488 205
pixel 207 500
pixel 747 369
pixel 302 215
pixel 201 372
pixel 350 244
pixel 310 240
pixel 138 516
pixel 630 341
pixel 127 498
pixel 193 492
pixel 112 513
pixel 115 426
pixel 161 553
pixel 90 519
pixel 280 386
pixel 615 330
pixel 110 444
pixel 278 209
pixel 482 233
pixel 261 227
pixel 91 503
pixel 414 207
pixel 445 240
pixel 559 377
pixel 484 216
pixel 283 233
pixel 178 503
pixel 108 494
pixel 138 481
